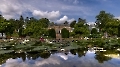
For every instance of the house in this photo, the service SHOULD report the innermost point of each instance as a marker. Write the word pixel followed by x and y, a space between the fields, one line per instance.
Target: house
pixel 58 28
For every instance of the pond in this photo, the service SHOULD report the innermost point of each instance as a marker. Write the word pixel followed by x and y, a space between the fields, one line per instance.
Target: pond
pixel 83 53
pixel 80 57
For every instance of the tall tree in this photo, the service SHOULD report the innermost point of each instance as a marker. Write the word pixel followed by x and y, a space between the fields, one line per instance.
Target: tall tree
pixel 21 23
pixel 26 20
pixel 81 20
pixel 72 24
pixel 34 28
pixel 107 23
pixel 10 28
pixel 3 25
pixel 119 30
pixel 45 22
pixel 102 19
pixel 81 29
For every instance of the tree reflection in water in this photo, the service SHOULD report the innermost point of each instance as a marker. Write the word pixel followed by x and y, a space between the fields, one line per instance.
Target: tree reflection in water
pixel 45 54
pixel 67 55
pixel 101 57
pixel 80 51
pixel 73 51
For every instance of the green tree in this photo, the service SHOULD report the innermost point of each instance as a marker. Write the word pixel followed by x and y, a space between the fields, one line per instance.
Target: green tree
pixel 65 33
pixel 81 20
pixel 21 21
pixel 119 30
pixel 34 28
pixel 6 26
pixel 102 18
pixel 45 22
pixel 72 24
pixel 2 24
pixel 26 20
pixel 52 24
pixel 81 29
pixel 10 28
pixel 20 25
pixel 107 23
pixel 52 33
pixel 112 27
pixel 94 31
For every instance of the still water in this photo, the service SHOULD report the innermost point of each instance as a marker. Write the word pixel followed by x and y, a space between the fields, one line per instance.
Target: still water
pixel 70 58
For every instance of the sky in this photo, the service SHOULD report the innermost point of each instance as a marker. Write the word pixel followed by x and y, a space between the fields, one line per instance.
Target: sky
pixel 58 11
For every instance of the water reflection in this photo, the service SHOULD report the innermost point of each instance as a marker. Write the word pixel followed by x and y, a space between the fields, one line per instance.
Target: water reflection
pixel 73 58
pixel 101 57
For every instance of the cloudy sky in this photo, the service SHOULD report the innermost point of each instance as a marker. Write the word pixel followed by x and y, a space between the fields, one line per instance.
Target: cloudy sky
pixel 58 10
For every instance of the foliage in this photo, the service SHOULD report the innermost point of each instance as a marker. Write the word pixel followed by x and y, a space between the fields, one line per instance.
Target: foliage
pixel 119 30
pixel 101 58
pixel 72 24
pixel 94 36
pixel 6 26
pixel 52 33
pixel 44 21
pixel 72 34
pixel 65 33
pixel 34 29
pixel 103 18
pixel 81 29
pixel 107 23
pixel 94 31
pixel 81 20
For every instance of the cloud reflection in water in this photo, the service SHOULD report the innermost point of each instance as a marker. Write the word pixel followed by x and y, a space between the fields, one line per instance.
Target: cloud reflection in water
pixel 61 60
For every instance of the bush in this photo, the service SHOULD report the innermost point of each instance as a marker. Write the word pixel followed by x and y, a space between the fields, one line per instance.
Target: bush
pixel 94 31
pixel 65 33
pixel 52 33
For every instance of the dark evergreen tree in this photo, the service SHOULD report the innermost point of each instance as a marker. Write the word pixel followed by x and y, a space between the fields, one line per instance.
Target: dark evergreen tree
pixel 94 31
pixel 65 33
pixel 52 33
pixel 119 30
pixel 72 24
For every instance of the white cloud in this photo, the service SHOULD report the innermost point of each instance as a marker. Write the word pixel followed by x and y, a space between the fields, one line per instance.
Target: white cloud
pixel 51 60
pixel 65 18
pixel 14 8
pixel 63 56
pixel 50 15
pixel 27 63
pixel 9 10
pixel 51 9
